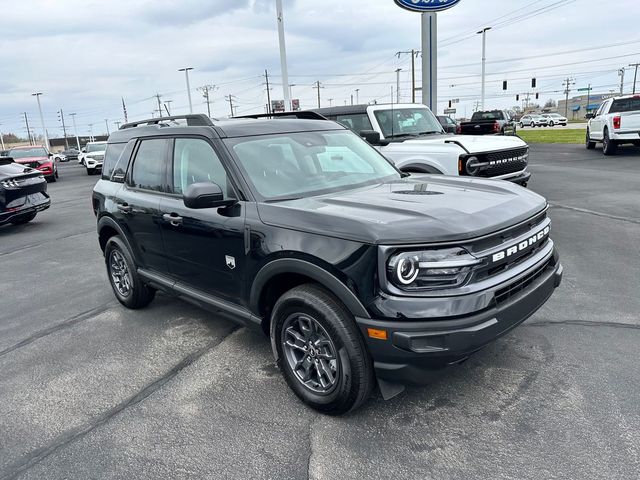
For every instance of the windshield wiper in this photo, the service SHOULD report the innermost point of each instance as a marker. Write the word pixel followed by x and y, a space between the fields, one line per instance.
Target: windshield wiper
pixel 281 199
pixel 431 132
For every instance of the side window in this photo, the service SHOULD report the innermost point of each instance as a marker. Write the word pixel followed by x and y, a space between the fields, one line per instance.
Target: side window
pixel 356 122
pixel 149 165
pixel 601 108
pixel 111 156
pixel 194 161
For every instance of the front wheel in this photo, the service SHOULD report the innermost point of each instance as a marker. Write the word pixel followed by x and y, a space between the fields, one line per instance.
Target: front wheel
pixel 123 276
pixel 551 124
pixel 320 351
pixel 521 125
pixel 609 147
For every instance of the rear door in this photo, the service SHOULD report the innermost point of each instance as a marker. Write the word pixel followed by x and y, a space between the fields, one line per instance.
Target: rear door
pixel 205 247
pixel 138 202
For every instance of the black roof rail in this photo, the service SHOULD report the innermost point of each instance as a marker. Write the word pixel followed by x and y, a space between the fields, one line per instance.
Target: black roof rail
pixel 301 115
pixel 193 120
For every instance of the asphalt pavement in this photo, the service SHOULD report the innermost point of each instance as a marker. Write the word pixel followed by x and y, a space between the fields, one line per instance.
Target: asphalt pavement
pixel 89 389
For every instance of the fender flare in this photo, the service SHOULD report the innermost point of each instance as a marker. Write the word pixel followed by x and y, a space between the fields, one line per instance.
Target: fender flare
pixel 308 269
pixel 106 221
pixel 420 168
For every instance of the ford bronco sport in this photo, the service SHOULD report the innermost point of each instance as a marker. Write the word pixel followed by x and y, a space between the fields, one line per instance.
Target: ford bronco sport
pixel 358 273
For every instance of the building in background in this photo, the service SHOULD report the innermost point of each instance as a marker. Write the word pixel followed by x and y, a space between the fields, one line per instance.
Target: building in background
pixel 578 106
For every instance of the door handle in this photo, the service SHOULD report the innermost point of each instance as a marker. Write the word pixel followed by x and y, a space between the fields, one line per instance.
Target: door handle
pixel 173 219
pixel 124 208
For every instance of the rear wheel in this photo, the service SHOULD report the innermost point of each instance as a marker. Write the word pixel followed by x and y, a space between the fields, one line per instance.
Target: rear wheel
pixel 551 124
pixel 90 171
pixel 521 125
pixel 22 219
pixel 123 276
pixel 588 143
pixel 609 147
pixel 320 351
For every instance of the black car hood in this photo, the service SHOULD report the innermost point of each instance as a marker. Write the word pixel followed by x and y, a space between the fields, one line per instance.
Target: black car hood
pixel 417 209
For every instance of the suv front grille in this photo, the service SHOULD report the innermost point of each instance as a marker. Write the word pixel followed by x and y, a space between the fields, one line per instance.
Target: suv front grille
pixel 504 162
pixel 507 292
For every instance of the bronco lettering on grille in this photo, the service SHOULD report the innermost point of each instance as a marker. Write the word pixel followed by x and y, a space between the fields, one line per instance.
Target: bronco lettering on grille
pixel 523 245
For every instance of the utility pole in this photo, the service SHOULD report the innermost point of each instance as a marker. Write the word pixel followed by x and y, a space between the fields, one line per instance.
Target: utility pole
pixel 205 89
pixel 621 75
pixel 167 107
pixel 318 87
pixel 106 122
pixel 358 96
pixel 484 61
pixel 230 98
pixel 414 53
pixel 186 76
pixel 157 95
pixel 91 132
pixel 588 96
pixel 352 99
pixel 635 75
pixel 266 79
pixel 567 84
pixel 330 101
pixel 64 129
pixel 1 139
pixel 75 129
pixel 117 124
pixel 398 70
pixel 283 56
pixel 44 129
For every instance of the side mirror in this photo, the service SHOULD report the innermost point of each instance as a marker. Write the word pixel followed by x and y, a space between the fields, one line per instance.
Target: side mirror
pixel 84 150
pixel 589 116
pixel 50 155
pixel 373 138
pixel 205 195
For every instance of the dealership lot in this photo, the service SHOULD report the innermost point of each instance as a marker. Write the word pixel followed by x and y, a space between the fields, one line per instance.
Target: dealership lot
pixel 91 390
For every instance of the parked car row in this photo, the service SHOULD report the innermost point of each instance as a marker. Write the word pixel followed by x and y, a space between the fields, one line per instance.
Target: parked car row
pixel 359 273
pixel 542 120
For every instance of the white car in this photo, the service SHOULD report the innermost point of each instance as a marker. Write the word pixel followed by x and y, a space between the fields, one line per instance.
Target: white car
pixel 411 136
pixel 555 119
pixel 616 121
pixel 94 156
pixel 533 120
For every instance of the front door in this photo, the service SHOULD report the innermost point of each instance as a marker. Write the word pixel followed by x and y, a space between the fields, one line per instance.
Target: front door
pixel 205 247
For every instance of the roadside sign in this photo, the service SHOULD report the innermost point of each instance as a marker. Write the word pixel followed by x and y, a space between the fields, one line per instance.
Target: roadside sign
pixel 584 89
pixel 449 111
pixel 455 100
pixel 426 5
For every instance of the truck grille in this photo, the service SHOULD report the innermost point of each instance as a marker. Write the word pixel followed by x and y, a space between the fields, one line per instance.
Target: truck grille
pixel 503 162
pixel 510 291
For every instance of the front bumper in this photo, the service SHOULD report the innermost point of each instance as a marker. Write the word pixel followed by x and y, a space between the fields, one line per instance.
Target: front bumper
pixel 521 178
pixel 417 351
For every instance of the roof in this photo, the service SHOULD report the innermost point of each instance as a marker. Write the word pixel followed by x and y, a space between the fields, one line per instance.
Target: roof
pixel 27 147
pixel 241 127
pixel 346 110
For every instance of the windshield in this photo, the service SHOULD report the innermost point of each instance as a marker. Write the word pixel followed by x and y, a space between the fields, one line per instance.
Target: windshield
pixel 28 152
pixel 294 165
pixel 407 122
pixel 96 147
pixel 555 115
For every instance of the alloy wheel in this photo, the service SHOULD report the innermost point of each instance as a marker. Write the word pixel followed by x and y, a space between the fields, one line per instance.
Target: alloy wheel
pixel 120 273
pixel 310 353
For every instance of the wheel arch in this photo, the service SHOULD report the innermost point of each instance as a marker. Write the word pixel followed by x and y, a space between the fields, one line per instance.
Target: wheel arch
pixel 420 168
pixel 107 228
pixel 280 275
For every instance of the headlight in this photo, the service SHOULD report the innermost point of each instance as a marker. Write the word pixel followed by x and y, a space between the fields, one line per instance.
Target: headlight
pixel 472 166
pixel 430 269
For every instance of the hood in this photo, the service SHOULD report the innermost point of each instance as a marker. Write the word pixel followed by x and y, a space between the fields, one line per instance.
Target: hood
pixel 473 143
pixel 95 153
pixel 417 209
pixel 32 159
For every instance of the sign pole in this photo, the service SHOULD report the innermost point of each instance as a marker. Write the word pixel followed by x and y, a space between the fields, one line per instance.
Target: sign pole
pixel 430 60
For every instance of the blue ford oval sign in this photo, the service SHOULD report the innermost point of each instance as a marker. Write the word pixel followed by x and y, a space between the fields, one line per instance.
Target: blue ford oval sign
pixel 426 5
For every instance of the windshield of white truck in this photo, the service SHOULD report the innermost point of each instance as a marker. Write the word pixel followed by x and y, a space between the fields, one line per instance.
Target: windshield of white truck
pixel 407 122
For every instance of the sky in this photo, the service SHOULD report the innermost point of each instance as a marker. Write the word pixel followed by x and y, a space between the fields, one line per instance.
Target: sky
pixel 85 56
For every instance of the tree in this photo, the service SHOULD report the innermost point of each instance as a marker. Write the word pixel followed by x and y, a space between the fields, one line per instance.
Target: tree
pixel 551 103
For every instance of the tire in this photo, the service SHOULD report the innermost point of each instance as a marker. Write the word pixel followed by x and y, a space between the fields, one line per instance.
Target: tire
pixel 521 125
pixel 123 276
pixel 57 175
pixel 551 124
pixel 308 325
pixel 52 178
pixel 22 219
pixel 609 147
pixel 90 171
pixel 588 143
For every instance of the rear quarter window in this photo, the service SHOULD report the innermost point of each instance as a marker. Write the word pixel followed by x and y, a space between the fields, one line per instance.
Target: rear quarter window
pixel 111 157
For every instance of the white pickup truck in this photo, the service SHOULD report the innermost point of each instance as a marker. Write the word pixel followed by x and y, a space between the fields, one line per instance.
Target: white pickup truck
pixel 411 136
pixel 616 121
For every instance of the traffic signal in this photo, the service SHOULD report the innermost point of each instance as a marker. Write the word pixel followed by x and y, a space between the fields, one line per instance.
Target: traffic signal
pixel 449 103
pixel 533 83
pixel 504 85
pixel 537 95
pixel 517 98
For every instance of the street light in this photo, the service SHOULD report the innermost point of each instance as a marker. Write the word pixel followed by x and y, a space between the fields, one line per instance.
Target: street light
pixel 44 129
pixel 75 129
pixel 484 60
pixel 186 76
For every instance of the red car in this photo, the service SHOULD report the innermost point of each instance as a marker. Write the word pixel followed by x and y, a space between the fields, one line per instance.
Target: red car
pixel 37 157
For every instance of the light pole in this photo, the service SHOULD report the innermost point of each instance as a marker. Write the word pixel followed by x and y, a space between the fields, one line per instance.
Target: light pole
pixel 75 129
pixel 186 76
pixel 358 96
pixel 1 139
pixel 44 129
pixel 398 70
pixel 106 122
pixel 283 56
pixel 484 60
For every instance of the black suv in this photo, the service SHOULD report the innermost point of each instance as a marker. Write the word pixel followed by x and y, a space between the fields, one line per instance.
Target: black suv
pixel 357 272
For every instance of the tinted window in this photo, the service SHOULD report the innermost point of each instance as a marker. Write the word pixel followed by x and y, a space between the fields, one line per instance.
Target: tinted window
pixel 492 115
pixel 356 122
pixel 625 105
pixel 195 161
pixel 111 156
pixel 148 166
